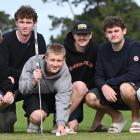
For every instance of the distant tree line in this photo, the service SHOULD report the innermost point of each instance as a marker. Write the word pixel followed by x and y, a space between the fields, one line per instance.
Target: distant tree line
pixel 95 12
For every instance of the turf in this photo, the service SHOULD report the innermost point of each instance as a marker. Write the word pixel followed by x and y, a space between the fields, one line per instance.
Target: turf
pixel 83 134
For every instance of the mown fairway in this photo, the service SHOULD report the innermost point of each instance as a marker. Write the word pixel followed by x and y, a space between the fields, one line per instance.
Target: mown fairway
pixel 20 129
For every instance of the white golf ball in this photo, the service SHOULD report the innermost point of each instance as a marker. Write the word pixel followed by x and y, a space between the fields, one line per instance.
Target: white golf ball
pixel 57 133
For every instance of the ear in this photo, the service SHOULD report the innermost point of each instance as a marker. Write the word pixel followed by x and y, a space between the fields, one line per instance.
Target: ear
pixel 91 35
pixel 16 23
pixel 105 34
pixel 124 31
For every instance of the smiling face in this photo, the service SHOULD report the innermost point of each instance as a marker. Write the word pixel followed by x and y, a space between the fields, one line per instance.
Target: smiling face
pixel 82 40
pixel 54 63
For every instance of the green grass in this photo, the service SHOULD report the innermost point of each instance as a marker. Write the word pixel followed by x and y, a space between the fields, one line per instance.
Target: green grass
pixel 83 134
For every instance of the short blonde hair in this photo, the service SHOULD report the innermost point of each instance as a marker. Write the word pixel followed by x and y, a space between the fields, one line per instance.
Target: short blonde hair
pixel 55 48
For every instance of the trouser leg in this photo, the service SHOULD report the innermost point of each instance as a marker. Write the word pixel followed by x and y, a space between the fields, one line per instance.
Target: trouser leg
pixel 8 119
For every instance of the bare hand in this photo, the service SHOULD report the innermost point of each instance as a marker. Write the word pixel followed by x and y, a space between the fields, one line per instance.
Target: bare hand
pixel 37 74
pixel 109 93
pixel 8 98
pixel 61 131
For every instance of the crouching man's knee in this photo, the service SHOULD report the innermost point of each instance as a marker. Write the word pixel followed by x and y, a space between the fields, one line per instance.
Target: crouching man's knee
pixel 91 100
pixel 36 116
pixel 127 90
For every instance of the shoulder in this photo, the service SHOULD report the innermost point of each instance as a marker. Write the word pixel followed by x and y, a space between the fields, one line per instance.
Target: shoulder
pixel 40 36
pixel 64 70
pixel 131 43
pixel 9 35
pixel 105 46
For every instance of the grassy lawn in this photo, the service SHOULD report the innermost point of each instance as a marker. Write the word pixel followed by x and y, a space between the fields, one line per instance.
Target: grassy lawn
pixel 83 134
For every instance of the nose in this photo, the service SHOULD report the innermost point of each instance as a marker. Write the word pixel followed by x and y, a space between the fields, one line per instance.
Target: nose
pixel 113 33
pixel 24 24
pixel 55 63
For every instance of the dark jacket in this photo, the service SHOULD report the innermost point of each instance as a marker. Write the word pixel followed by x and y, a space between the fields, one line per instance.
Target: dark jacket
pixel 14 54
pixel 81 65
pixel 115 67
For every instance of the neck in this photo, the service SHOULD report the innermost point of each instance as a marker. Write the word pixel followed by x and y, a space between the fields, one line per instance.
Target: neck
pixel 118 46
pixel 22 38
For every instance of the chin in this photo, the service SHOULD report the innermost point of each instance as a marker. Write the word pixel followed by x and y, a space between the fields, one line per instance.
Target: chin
pixel 83 44
pixel 54 71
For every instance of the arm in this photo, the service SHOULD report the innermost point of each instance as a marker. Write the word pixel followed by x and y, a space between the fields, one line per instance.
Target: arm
pixel 63 89
pixel 5 58
pixel 27 82
pixel 99 71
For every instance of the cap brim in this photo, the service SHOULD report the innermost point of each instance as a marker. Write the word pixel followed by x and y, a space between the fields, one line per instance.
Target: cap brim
pixel 81 31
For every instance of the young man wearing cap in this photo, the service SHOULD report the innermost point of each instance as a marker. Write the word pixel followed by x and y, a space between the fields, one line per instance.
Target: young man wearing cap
pixel 16 48
pixel 55 87
pixel 81 53
pixel 117 76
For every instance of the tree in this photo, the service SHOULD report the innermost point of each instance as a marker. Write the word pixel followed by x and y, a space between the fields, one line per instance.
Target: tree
pixel 5 22
pixel 95 12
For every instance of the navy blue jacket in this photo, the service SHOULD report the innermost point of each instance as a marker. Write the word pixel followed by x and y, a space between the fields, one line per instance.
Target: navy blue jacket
pixel 116 67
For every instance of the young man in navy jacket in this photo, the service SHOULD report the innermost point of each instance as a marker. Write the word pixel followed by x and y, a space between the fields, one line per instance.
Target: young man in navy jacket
pixel 117 76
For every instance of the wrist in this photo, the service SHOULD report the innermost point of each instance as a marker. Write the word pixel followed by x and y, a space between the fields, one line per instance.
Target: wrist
pixel 61 126
pixel 34 83
pixel 103 86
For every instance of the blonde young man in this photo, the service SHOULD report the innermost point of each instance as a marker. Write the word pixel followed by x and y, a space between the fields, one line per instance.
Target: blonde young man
pixel 117 76
pixel 16 48
pixel 55 85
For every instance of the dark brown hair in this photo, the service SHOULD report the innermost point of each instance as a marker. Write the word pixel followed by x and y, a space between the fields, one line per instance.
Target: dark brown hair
pixel 26 11
pixel 113 21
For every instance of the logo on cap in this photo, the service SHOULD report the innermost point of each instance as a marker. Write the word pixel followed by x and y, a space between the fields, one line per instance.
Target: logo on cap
pixel 82 26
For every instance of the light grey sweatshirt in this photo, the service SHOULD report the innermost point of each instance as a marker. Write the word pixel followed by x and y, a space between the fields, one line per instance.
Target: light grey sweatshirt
pixel 59 84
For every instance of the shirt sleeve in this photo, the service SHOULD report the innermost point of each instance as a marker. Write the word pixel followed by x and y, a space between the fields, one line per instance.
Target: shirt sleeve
pixel 99 70
pixel 25 81
pixel 62 97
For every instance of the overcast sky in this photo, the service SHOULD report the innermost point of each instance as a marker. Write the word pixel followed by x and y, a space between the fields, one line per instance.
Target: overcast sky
pixel 43 10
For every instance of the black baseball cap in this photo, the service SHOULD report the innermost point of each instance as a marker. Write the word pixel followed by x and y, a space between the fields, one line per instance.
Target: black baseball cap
pixel 81 27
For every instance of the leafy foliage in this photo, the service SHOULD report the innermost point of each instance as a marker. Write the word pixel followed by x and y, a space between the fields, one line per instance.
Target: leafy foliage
pixel 95 11
pixel 5 22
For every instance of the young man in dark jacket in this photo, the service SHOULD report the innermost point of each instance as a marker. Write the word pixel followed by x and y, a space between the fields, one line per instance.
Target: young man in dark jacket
pixel 15 49
pixel 81 52
pixel 117 76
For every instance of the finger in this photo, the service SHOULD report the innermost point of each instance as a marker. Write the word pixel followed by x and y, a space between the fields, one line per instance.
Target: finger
pixel 113 98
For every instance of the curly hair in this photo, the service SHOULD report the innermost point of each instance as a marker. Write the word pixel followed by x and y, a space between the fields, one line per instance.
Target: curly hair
pixel 113 21
pixel 26 11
